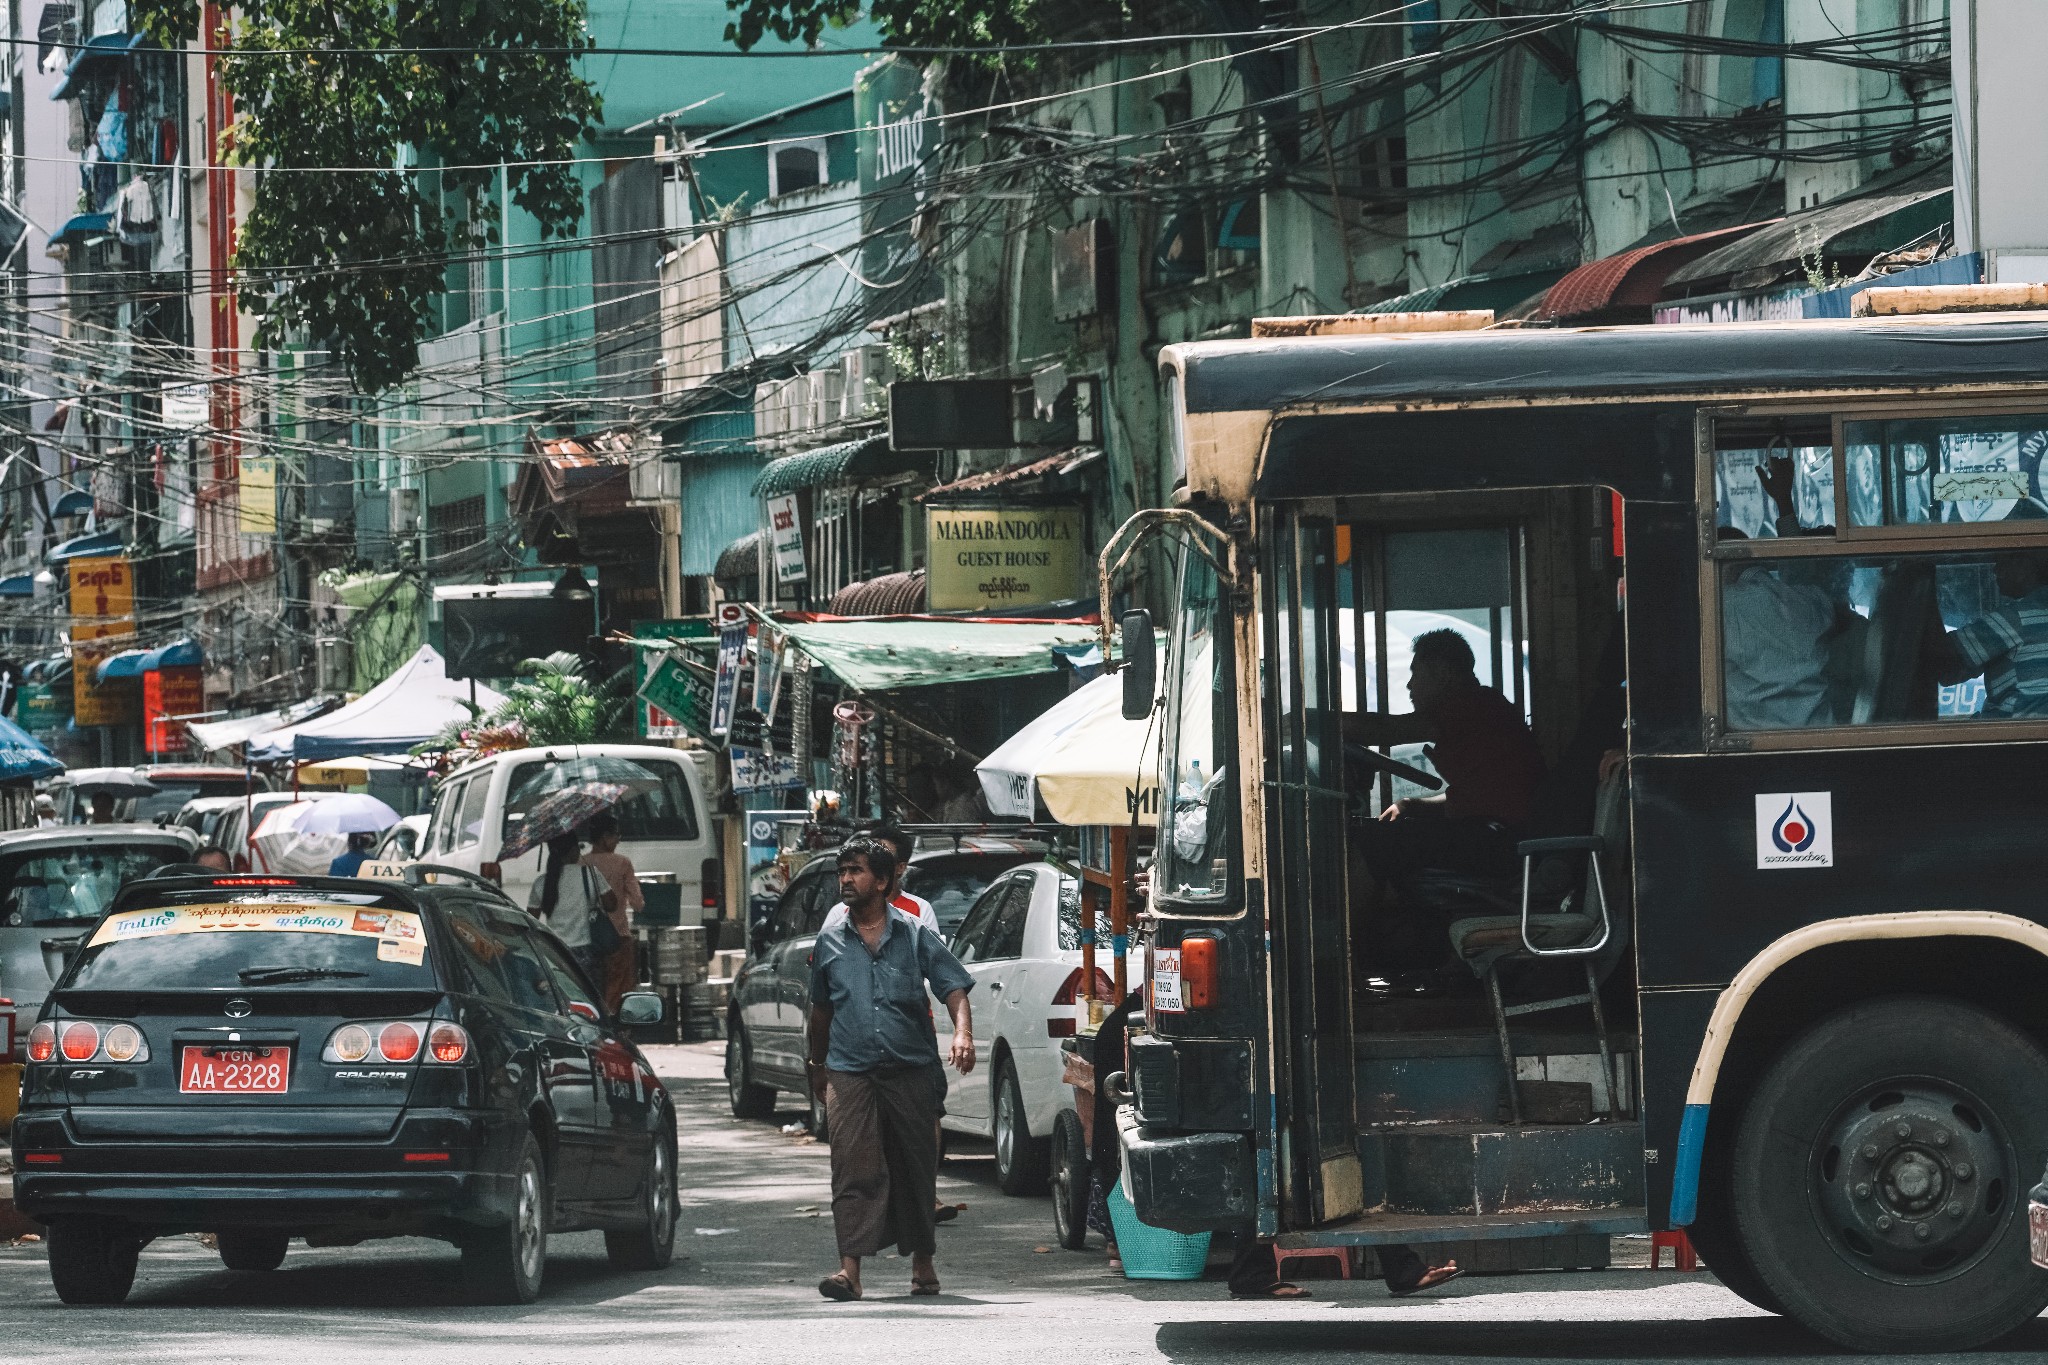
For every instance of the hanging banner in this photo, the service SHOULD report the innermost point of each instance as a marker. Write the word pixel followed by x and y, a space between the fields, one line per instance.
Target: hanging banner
pixel 725 689
pixel 768 648
pixel 785 538
pixel 896 142
pixel 675 694
pixel 259 495
pixel 175 690
pixel 102 624
pixel 997 558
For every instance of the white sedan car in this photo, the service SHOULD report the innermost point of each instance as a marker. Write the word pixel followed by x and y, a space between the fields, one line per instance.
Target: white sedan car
pixel 1021 940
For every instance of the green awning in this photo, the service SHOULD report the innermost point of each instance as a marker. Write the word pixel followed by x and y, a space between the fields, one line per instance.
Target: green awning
pixel 876 656
pixel 849 459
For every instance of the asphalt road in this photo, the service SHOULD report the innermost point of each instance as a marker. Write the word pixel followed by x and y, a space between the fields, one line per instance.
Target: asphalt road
pixel 753 1242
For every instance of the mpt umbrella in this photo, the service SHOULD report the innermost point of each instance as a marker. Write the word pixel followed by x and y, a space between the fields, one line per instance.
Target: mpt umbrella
pixel 560 812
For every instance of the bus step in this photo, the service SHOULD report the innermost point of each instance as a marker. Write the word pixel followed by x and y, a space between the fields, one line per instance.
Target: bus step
pixel 1482 1170
pixel 1455 1076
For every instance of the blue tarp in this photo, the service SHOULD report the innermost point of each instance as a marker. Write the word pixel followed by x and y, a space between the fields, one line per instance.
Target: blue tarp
pixel 177 654
pixel 82 226
pixel 20 585
pixel 21 758
pixel 126 664
pixel 76 503
pixel 79 547
pixel 1834 303
pixel 97 52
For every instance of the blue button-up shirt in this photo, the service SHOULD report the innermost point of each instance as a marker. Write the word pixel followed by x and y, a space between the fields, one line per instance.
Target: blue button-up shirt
pixel 879 1015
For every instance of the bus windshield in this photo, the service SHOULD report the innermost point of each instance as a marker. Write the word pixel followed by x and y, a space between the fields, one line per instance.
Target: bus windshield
pixel 1200 819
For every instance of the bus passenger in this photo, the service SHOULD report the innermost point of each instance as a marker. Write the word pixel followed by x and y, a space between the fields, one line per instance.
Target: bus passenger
pixel 1778 634
pixel 2008 646
pixel 1485 753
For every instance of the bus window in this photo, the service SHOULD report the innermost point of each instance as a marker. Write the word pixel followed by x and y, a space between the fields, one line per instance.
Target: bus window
pixel 1925 471
pixel 1836 640
pixel 1195 832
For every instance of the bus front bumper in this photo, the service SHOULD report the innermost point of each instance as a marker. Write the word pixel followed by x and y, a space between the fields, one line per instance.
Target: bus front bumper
pixel 1187 1182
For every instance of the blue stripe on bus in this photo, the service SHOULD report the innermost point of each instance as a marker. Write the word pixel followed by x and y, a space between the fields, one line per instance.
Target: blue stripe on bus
pixel 1685 1174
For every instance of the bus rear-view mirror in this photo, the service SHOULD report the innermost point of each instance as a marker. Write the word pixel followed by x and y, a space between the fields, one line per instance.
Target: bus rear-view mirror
pixel 1141 664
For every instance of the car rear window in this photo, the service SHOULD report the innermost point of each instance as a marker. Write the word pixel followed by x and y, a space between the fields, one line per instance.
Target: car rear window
pixel 257 942
pixel 952 884
pixel 172 793
pixel 664 813
pixel 74 885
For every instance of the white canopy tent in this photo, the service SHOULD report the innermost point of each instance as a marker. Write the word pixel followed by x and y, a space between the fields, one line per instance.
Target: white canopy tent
pixel 1082 758
pixel 408 708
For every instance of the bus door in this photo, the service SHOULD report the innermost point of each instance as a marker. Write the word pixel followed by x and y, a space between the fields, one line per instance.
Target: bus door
pixel 1305 831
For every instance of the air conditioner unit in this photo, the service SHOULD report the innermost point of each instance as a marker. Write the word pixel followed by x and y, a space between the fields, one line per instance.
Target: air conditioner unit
pixel 867 373
pixel 653 478
pixel 405 512
pixel 825 388
pixel 771 411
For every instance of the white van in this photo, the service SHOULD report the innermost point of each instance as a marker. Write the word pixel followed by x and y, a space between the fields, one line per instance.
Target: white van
pixel 480 805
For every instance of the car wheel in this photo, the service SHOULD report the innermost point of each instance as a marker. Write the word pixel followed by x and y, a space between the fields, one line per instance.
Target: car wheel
pixel 505 1263
pixel 1020 1157
pixel 652 1245
pixel 1070 1181
pixel 252 1248
pixel 92 1260
pixel 748 1100
pixel 1879 1180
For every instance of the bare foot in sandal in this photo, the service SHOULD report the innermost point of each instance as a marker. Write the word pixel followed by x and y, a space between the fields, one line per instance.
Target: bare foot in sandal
pixel 1278 1289
pixel 843 1284
pixel 1431 1278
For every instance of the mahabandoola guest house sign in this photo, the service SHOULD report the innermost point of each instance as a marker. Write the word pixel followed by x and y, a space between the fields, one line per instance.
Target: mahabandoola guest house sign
pixel 991 558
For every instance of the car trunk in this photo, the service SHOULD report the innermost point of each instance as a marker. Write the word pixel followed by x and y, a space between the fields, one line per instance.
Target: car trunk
pixel 206 1046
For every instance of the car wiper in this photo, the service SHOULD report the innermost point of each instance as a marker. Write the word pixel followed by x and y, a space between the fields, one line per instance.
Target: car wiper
pixel 278 976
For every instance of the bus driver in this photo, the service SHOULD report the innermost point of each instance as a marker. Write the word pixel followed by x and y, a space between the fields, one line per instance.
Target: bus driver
pixel 1490 764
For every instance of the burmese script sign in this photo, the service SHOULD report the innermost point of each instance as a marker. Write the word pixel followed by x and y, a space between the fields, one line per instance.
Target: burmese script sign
pixel 993 558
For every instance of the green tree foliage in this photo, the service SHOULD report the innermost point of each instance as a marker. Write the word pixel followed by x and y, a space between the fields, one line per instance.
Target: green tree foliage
pixel 905 23
pixel 355 257
pixel 557 700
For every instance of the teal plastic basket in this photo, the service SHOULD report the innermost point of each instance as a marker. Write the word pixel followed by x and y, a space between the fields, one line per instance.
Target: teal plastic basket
pixel 1151 1253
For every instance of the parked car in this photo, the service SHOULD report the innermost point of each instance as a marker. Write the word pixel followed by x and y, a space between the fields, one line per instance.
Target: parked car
pixel 176 785
pixel 57 882
pixel 203 815
pixel 337 1059
pixel 771 995
pixel 480 805
pixel 1021 941
pixel 401 843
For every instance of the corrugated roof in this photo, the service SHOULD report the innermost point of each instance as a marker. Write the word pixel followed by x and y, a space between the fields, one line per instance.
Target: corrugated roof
pixel 869 455
pixel 889 594
pixel 877 656
pixel 1834 229
pixel 1630 279
pixel 1016 473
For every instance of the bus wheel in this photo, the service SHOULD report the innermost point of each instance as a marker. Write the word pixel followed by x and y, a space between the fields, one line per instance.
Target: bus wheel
pixel 1878 1185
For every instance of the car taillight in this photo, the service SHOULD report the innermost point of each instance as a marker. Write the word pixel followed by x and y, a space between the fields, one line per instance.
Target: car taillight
pixel 349 1043
pixel 1068 997
pixel 1198 972
pixel 398 1042
pixel 124 1044
pixel 42 1043
pixel 711 879
pixel 448 1042
pixel 255 881
pixel 81 1042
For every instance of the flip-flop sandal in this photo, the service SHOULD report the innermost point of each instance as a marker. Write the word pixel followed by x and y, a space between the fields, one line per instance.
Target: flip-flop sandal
pixel 923 1289
pixel 1426 1283
pixel 838 1288
pixel 1279 1289
pixel 945 1213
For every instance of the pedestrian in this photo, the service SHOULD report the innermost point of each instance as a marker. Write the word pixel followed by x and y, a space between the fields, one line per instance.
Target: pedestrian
pixel 572 898
pixel 899 841
pixel 46 810
pixel 350 861
pixel 214 858
pixel 621 972
pixel 873 1047
pixel 102 808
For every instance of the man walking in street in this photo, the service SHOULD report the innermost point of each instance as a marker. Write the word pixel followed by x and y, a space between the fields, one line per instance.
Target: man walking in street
pixel 873 1048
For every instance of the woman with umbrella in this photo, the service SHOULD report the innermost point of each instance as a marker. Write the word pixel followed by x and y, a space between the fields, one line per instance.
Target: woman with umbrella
pixel 570 895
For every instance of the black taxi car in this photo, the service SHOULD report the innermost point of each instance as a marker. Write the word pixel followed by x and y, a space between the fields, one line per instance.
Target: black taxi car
pixel 336 1059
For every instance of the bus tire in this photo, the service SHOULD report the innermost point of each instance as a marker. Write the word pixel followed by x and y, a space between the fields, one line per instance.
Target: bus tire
pixel 1713 1233
pixel 1881 1172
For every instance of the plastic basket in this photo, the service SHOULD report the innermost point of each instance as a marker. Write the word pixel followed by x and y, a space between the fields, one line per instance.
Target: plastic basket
pixel 1151 1253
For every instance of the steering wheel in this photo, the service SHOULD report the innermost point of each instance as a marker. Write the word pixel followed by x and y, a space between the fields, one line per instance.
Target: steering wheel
pixel 1375 760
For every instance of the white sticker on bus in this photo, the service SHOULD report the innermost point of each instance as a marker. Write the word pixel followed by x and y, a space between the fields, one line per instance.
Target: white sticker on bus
pixel 1795 829
pixel 1165 978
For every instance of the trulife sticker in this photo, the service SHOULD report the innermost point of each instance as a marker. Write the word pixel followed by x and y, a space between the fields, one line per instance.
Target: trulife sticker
pixel 1795 829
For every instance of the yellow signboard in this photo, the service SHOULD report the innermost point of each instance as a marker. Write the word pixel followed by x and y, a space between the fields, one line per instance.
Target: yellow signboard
pixel 259 495
pixel 992 558
pixel 102 617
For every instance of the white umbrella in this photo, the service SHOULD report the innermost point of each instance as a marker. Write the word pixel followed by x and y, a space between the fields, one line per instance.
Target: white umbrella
pixel 349 813
pixel 1082 758
pixel 281 845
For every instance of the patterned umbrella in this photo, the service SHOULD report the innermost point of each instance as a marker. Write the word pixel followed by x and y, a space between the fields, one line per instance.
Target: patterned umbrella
pixel 559 812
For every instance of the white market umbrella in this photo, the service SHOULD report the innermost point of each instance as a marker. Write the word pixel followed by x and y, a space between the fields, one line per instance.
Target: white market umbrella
pixel 1082 758
pixel 347 813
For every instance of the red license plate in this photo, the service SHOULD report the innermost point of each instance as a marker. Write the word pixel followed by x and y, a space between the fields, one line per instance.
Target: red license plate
pixel 2037 1226
pixel 235 1071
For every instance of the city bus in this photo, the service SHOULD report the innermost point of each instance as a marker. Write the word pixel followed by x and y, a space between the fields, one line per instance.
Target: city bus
pixel 1767 960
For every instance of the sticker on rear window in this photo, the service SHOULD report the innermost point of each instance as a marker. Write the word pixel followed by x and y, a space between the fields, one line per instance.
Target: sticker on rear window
pixel 398 928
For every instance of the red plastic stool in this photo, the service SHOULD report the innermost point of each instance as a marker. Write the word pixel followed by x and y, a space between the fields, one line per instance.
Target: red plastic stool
pixel 1683 1257
pixel 1282 1255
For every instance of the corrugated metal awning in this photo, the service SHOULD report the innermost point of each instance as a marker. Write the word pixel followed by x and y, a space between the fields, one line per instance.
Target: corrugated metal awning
pixel 879 655
pixel 1857 227
pixel 867 457
pixel 1633 278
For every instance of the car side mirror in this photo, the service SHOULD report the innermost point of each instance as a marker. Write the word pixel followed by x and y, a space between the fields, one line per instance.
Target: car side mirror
pixel 641 1008
pixel 1141 664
